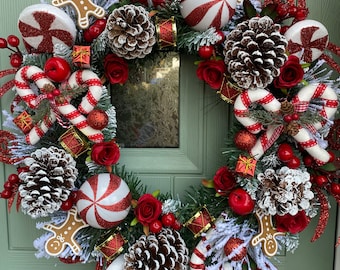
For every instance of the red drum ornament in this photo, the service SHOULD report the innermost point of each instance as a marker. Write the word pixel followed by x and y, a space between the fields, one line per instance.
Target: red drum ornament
pixel 104 201
pixel 203 14
pixel 166 32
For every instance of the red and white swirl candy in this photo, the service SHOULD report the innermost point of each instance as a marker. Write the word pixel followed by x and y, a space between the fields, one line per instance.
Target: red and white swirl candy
pixel 104 200
pixel 32 74
pixel 301 101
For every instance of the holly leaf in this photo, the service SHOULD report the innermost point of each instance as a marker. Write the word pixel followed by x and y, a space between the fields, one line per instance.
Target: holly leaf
pixel 249 9
pixel 329 167
pixel 270 11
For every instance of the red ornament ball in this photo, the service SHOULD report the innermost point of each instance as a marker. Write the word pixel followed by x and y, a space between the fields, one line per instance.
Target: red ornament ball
pixel 232 245
pixel 97 119
pixel 245 140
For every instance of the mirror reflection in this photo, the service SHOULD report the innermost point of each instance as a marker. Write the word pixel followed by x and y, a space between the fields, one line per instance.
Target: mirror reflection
pixel 148 107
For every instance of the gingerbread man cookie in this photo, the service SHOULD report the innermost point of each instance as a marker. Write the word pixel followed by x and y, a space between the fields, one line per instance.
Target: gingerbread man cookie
pixel 64 235
pixel 266 235
pixel 84 9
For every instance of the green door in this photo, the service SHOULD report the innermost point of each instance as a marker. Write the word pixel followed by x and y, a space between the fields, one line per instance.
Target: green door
pixel 203 126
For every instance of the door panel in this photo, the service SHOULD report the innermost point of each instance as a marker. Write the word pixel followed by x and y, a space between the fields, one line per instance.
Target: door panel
pixel 203 126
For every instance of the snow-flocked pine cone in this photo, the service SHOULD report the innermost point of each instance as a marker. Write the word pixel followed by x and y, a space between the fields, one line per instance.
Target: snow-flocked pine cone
pixel 130 31
pixel 163 251
pixel 254 52
pixel 48 182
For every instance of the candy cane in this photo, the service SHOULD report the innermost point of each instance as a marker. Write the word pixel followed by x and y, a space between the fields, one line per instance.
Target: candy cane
pixel 36 75
pixel 300 101
pixel 22 78
pixel 198 256
pixel 77 79
pixel 245 99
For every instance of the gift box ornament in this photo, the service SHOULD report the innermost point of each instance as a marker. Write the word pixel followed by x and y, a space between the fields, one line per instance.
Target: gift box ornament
pixel 246 165
pixel 228 90
pixel 112 246
pixel 200 222
pixel 24 122
pixel 73 142
pixel 166 32
pixel 81 56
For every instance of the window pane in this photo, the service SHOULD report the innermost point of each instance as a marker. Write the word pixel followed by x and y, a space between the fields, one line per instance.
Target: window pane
pixel 147 105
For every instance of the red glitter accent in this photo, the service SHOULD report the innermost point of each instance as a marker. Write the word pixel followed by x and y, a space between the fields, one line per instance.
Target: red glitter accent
pixel 198 13
pixel 45 21
pixel 307 44
pixel 324 215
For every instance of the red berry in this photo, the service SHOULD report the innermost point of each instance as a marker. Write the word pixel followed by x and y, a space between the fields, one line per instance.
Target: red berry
pixel 177 225
pixel 56 92
pixel 292 11
pixel 168 219
pixel 221 34
pixel 6 194
pixel 308 160
pixel 94 31
pixel 66 205
pixel 335 189
pixel 13 178
pixel 320 180
pixel 13 40
pixel 49 96
pixel 281 10
pixel 293 163
pixel 205 52
pixel 155 226
pixel 295 116
pixel 74 196
pixel 87 36
pixel 101 23
pixel 301 14
pixel 15 60
pixel 284 29
pixel 8 185
pixel 285 152
pixel 287 118
pixel 3 43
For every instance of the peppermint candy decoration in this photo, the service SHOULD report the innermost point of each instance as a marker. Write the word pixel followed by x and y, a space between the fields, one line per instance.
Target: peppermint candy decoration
pixel 104 201
pixel 307 40
pixel 42 26
pixel 304 136
pixel 33 74
pixel 203 14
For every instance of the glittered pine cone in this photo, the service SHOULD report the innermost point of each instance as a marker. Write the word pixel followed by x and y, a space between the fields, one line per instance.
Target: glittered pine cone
pixel 254 52
pixel 130 31
pixel 48 182
pixel 163 251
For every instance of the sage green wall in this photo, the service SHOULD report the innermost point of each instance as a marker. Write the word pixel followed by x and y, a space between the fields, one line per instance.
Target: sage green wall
pixel 209 121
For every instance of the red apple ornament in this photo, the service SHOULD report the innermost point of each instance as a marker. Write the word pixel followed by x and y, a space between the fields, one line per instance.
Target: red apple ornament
pixel 57 69
pixel 240 202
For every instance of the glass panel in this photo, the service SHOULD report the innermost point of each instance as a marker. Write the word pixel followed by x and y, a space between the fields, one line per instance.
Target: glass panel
pixel 147 106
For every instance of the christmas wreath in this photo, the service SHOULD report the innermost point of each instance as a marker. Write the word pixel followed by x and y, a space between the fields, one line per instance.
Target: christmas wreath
pixel 265 59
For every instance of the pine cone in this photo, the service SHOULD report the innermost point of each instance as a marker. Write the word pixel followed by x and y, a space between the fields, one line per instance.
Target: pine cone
pixel 254 52
pixel 48 182
pixel 287 107
pixel 292 128
pixel 131 33
pixel 163 251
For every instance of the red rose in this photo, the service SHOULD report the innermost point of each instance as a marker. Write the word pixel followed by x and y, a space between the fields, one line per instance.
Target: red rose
pixel 148 209
pixel 291 73
pixel 105 153
pixel 116 69
pixel 224 181
pixel 211 71
pixel 292 224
